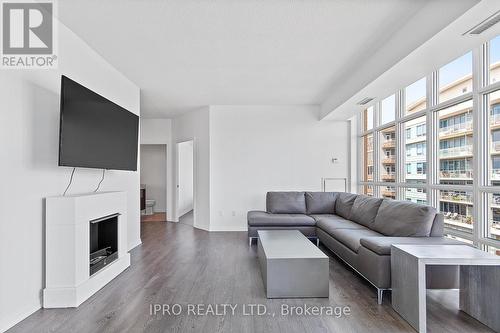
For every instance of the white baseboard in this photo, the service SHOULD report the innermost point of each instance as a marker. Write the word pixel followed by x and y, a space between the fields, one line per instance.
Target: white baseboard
pixel 18 317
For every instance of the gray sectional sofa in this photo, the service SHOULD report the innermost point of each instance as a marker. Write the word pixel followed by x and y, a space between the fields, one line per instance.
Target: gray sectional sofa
pixel 359 229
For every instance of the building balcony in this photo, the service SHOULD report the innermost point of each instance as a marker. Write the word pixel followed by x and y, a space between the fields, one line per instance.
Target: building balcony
pixel 495 174
pixel 389 143
pixel 456 152
pixel 386 193
pixel 495 120
pixel 456 197
pixel 456 129
pixel 457 221
pixel 415 176
pixel 457 174
pixel 389 177
pixel 495 147
pixel 389 160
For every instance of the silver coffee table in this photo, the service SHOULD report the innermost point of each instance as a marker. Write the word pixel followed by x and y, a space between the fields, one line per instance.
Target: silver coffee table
pixel 292 267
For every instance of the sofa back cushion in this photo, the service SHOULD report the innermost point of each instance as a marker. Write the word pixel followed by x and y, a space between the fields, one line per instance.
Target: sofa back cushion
pixel 343 204
pixel 320 202
pixel 404 219
pixel 364 210
pixel 286 202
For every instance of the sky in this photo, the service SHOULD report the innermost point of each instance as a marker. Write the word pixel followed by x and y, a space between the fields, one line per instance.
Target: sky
pixel 450 72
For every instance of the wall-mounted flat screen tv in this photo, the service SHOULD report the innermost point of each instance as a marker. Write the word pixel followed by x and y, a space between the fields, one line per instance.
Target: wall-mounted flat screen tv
pixel 95 132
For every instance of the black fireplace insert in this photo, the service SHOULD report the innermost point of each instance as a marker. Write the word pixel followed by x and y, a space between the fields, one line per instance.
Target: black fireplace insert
pixel 103 242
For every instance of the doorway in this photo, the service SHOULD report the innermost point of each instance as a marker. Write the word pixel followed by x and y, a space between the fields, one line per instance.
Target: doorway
pixel 185 182
pixel 153 167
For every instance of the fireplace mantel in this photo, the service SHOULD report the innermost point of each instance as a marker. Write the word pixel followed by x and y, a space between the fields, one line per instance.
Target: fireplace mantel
pixel 67 273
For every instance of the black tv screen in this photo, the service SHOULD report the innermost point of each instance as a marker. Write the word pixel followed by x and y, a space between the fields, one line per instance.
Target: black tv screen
pixel 95 132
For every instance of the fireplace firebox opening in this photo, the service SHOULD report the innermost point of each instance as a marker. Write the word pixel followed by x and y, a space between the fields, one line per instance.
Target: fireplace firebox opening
pixel 103 242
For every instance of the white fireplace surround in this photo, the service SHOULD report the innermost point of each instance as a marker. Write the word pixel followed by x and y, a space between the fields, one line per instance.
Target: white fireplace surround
pixel 67 265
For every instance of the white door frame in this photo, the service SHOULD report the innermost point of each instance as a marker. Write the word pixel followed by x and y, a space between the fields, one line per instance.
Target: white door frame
pixel 195 182
pixel 167 195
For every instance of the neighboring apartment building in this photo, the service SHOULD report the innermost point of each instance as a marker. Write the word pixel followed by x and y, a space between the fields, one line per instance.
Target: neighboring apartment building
pixel 455 154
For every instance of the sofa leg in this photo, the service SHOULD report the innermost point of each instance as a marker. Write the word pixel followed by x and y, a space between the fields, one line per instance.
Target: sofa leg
pixel 317 242
pixel 249 241
pixel 380 295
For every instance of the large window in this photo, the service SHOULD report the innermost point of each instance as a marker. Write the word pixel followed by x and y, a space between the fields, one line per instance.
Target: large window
pixel 455 78
pixel 388 155
pixel 495 60
pixel 494 137
pixel 415 150
pixel 368 157
pixel 457 209
pixel 415 96
pixel 440 145
pixel 388 109
pixel 368 119
pixel 455 144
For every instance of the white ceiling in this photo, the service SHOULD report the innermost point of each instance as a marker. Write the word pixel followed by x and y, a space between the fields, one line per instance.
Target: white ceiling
pixel 185 54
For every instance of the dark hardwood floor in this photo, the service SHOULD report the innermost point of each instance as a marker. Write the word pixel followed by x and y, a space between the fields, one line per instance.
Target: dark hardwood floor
pixel 179 264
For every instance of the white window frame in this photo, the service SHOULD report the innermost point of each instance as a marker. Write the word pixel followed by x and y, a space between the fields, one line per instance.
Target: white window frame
pixel 481 176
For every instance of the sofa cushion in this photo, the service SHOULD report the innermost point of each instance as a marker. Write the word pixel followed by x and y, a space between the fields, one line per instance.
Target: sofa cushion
pixel 343 204
pixel 351 237
pixel 258 218
pixel 318 217
pixel 404 219
pixel 382 245
pixel 328 223
pixel 320 202
pixel 286 202
pixel 364 210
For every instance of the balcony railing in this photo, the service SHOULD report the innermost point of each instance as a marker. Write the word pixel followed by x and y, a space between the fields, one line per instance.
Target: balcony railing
pixel 389 160
pixel 467 174
pixel 391 143
pixel 495 119
pixel 495 147
pixel 456 151
pixel 391 176
pixel 457 128
pixel 457 220
pixel 389 193
pixel 495 174
pixel 456 197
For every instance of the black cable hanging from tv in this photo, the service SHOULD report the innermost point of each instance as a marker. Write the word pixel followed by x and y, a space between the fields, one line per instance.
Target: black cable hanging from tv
pixel 70 182
pixel 102 179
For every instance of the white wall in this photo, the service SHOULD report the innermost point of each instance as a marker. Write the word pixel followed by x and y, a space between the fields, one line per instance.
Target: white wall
pixel 255 149
pixel 29 129
pixel 154 174
pixel 195 126
pixel 185 165
pixel 159 131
